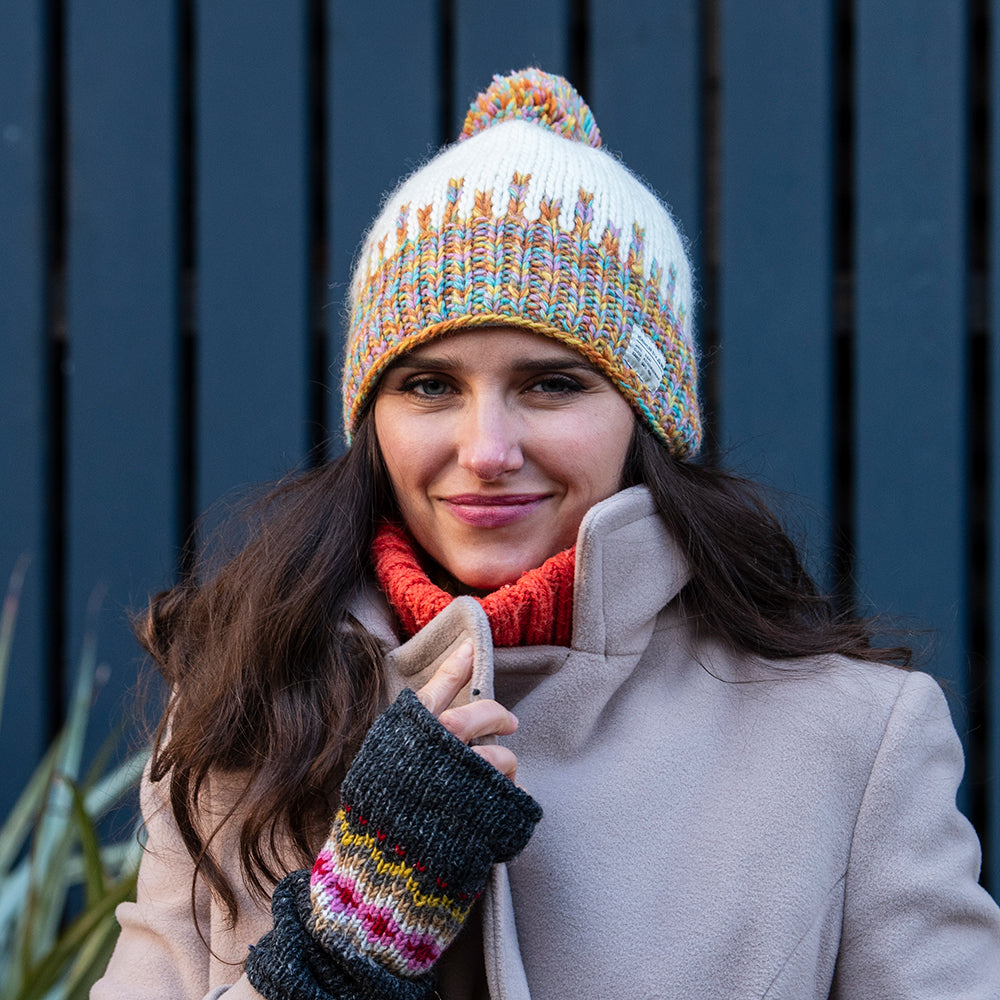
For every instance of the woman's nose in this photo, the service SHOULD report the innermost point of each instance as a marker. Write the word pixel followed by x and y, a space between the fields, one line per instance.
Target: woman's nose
pixel 490 446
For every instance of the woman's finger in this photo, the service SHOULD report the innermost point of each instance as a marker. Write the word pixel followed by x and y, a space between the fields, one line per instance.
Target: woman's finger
pixel 478 719
pixel 475 720
pixel 453 674
pixel 502 758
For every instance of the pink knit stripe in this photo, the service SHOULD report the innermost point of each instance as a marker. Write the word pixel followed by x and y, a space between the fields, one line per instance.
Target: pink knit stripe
pixel 341 900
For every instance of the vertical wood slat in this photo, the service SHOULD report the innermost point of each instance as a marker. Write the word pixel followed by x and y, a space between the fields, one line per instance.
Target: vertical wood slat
pixel 910 319
pixel 493 41
pixel 379 127
pixel 23 349
pixel 994 461
pixel 775 361
pixel 122 321
pixel 651 113
pixel 252 168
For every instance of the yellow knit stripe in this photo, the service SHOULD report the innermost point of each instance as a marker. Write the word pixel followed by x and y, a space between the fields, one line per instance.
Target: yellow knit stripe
pixel 397 869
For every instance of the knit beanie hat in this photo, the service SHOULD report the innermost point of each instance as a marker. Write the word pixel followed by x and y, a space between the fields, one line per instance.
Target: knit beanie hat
pixel 526 221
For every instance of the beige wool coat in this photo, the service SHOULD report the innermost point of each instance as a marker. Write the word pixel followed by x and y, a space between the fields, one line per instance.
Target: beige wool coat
pixel 714 827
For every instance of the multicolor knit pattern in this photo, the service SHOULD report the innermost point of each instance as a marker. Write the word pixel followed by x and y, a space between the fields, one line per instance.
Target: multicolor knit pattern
pixel 532 95
pixel 423 820
pixel 366 889
pixel 526 222
pixel 535 610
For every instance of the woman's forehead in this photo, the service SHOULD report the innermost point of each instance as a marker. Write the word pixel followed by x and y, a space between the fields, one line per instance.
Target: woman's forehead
pixel 526 347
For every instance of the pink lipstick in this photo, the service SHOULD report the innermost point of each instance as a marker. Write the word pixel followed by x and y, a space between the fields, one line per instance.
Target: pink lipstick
pixel 482 511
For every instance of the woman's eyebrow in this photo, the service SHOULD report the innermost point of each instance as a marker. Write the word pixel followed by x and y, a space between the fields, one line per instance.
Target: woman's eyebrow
pixel 417 361
pixel 550 364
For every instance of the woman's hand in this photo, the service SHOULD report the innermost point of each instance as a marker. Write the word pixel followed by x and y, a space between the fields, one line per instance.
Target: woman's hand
pixel 472 721
pixel 451 830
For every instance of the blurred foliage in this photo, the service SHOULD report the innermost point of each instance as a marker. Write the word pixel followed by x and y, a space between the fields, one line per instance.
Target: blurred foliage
pixel 59 885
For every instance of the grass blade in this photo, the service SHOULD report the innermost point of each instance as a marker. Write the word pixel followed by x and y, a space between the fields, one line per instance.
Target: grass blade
pixel 50 844
pixel 17 827
pixel 45 973
pixel 90 847
pixel 8 618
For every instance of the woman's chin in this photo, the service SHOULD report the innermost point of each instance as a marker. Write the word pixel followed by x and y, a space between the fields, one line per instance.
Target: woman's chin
pixel 479 585
pixel 490 561
pixel 480 580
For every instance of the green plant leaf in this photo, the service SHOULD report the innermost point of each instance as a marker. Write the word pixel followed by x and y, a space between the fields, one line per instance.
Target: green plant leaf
pixel 49 844
pixel 90 846
pixel 8 618
pixel 109 790
pixel 45 972
pixel 51 847
pixel 90 962
pixel 37 920
pixel 55 831
pixel 17 827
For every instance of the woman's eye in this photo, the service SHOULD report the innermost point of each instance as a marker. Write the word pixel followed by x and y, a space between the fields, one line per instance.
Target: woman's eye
pixel 556 384
pixel 427 387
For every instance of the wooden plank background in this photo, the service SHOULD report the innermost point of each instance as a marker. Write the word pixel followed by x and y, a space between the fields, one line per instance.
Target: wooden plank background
pixel 183 188
pixel 25 445
pixel 989 694
pixel 775 391
pixel 251 252
pixel 121 374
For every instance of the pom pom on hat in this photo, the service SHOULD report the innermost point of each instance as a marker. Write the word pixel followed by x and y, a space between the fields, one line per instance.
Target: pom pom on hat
pixel 514 225
pixel 533 95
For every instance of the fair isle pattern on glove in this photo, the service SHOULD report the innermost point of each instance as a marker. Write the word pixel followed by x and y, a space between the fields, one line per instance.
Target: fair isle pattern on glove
pixel 365 888
pixel 423 820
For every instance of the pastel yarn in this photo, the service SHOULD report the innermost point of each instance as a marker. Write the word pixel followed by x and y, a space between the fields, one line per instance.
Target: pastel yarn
pixel 528 221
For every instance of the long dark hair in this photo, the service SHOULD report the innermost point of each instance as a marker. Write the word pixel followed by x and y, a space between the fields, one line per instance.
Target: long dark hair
pixel 274 683
pixel 748 584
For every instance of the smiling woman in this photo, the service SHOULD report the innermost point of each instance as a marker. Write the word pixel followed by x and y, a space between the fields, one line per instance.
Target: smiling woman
pixel 744 796
pixel 497 442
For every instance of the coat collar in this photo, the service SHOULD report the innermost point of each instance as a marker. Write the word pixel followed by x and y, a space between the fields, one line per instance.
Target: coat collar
pixel 628 568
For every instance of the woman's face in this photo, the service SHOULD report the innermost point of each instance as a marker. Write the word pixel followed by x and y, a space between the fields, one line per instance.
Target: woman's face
pixel 497 441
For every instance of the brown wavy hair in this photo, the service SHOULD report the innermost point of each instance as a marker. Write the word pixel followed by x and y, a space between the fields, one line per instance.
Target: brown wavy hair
pixel 274 683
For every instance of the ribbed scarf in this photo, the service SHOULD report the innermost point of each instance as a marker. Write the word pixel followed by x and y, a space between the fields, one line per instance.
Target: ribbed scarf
pixel 536 610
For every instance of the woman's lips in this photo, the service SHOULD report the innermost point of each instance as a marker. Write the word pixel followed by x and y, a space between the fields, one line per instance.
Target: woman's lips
pixel 493 511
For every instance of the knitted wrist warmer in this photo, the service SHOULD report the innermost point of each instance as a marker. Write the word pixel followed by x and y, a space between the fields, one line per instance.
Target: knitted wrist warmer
pixel 288 963
pixel 423 820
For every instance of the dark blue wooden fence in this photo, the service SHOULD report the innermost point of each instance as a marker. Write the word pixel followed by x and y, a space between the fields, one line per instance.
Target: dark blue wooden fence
pixel 183 185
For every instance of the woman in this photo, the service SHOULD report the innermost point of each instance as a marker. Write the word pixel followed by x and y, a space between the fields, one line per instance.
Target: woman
pixel 742 796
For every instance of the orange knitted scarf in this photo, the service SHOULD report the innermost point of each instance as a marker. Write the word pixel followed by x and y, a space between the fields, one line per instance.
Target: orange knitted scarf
pixel 536 610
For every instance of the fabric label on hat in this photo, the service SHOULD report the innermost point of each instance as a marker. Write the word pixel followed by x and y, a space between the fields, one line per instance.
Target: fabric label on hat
pixel 645 358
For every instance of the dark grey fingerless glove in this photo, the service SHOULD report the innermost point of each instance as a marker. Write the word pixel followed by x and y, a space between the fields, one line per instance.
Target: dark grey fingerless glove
pixel 422 822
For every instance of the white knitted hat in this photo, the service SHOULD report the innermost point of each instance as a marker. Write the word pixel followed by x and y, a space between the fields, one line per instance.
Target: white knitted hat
pixel 526 221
